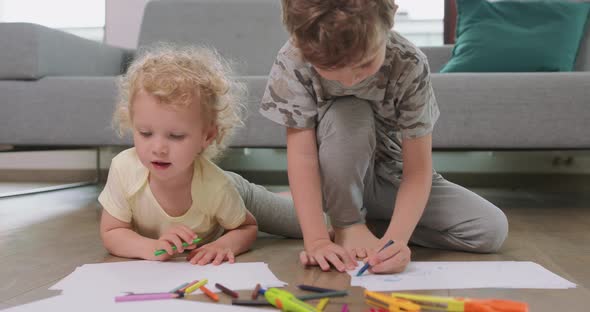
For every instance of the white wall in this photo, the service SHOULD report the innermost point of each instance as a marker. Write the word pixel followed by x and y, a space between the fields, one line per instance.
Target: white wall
pixel 82 18
pixel 2 10
pixel 55 13
pixel 82 159
pixel 422 25
pixel 123 19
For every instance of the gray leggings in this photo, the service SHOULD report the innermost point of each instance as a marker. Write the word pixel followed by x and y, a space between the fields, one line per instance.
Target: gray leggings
pixel 275 214
pixel 454 218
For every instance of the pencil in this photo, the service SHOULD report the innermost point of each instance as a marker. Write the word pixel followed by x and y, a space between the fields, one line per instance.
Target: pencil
pixel 179 288
pixel 142 297
pixel 209 293
pixel 322 304
pixel 367 265
pixel 302 298
pixel 194 287
pixel 183 289
pixel 339 293
pixel 227 291
pixel 314 288
pixel 255 292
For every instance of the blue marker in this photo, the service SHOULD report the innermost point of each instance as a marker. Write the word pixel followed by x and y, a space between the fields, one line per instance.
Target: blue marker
pixel 366 266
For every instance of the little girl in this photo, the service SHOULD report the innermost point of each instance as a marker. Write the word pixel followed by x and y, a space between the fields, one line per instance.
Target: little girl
pixel 181 107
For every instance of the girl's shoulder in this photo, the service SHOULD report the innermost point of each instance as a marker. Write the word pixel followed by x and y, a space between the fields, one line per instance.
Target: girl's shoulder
pixel 130 171
pixel 209 176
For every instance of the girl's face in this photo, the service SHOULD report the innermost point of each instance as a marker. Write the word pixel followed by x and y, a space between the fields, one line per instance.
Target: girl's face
pixel 168 138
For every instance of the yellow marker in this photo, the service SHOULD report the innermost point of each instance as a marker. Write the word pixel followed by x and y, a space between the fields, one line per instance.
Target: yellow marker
pixel 195 286
pixel 433 302
pixel 322 304
pixel 392 304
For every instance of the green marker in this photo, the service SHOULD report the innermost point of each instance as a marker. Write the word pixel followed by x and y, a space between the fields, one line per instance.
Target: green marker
pixel 185 244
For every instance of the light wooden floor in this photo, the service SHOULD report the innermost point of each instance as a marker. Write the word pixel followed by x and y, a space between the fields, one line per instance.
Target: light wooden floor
pixel 44 237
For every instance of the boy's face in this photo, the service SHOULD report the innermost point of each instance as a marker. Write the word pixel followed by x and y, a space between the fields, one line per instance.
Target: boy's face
pixel 168 138
pixel 349 76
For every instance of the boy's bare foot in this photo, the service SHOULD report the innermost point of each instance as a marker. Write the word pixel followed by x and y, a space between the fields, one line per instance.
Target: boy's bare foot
pixel 357 239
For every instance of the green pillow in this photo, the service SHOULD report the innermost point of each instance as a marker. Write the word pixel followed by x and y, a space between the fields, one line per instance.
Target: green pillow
pixel 512 36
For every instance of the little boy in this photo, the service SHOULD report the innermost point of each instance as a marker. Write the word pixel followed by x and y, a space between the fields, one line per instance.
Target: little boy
pixel 359 108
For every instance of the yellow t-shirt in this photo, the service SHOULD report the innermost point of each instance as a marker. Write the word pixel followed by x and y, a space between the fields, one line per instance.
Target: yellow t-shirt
pixel 216 203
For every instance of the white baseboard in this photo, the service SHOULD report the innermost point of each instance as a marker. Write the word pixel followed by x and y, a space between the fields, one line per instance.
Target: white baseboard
pixel 566 162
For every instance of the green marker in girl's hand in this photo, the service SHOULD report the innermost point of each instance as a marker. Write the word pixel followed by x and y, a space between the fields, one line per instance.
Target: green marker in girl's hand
pixel 185 244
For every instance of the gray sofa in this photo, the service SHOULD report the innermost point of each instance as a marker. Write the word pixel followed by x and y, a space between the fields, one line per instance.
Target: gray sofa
pixel 59 90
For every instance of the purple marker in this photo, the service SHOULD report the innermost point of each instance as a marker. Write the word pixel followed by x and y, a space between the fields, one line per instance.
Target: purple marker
pixel 143 297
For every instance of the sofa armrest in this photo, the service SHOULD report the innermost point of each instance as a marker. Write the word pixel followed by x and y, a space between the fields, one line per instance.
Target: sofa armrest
pixel 512 110
pixel 437 56
pixel 32 51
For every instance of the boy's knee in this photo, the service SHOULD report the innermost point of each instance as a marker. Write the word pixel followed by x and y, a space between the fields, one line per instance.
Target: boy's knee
pixel 348 116
pixel 493 233
pixel 346 133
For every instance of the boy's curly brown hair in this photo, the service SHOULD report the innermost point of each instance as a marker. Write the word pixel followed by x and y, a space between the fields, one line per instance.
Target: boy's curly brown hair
pixel 183 76
pixel 332 34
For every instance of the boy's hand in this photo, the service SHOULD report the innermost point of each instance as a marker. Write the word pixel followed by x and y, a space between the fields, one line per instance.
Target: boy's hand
pixel 175 236
pixel 324 252
pixel 393 259
pixel 211 253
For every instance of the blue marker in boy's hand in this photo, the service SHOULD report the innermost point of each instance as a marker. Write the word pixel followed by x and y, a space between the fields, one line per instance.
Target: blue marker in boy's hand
pixel 367 265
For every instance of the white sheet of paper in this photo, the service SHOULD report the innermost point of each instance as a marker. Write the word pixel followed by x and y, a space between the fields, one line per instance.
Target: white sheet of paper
pixel 461 275
pixel 107 304
pixel 155 276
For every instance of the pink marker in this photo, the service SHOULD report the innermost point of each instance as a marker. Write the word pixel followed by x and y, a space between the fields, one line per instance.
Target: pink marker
pixel 344 308
pixel 143 297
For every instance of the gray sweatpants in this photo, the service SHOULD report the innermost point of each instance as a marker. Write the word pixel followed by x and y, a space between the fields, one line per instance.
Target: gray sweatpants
pixel 454 218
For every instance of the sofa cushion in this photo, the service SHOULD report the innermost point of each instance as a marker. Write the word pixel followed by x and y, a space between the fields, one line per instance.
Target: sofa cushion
pixel 259 131
pixel 77 111
pixel 34 51
pixel 63 111
pixel 248 32
pixel 515 36
pixel 512 111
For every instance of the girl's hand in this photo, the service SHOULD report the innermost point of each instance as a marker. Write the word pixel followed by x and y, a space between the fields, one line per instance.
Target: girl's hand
pixel 175 236
pixel 393 259
pixel 211 253
pixel 156 245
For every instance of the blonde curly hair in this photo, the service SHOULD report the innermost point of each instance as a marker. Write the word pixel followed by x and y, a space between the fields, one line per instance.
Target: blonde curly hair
pixel 181 76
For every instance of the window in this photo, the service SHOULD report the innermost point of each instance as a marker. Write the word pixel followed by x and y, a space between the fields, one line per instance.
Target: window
pixel 421 21
pixel 85 18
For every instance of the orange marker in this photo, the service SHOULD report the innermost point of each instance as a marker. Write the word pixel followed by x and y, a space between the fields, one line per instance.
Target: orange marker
pixel 462 304
pixel 209 293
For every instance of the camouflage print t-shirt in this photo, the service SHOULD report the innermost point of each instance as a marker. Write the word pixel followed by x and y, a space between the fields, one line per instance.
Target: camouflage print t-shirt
pixel 400 94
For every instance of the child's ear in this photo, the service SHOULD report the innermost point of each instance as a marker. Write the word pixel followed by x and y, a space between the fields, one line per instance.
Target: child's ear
pixel 211 135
